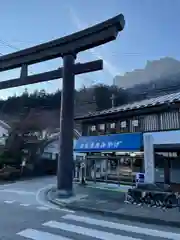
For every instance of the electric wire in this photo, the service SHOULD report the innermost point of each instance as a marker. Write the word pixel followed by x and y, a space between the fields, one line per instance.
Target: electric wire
pixel 6 44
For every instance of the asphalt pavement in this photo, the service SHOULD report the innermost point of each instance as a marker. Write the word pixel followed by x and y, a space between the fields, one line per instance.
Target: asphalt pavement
pixel 18 223
pixel 24 192
pixel 111 202
pixel 24 214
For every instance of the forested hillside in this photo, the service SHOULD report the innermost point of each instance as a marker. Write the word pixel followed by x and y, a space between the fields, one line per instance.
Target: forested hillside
pixel 95 98
pixel 98 96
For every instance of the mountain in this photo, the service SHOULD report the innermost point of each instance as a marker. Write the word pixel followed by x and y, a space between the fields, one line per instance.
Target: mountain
pixel 154 71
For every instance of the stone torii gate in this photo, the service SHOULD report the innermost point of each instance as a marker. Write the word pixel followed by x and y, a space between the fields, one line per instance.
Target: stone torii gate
pixel 67 47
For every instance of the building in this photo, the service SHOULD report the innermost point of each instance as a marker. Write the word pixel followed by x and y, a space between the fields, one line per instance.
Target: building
pixel 157 119
pixel 4 128
pixel 51 151
pixel 4 131
pixel 155 114
pixel 111 157
pixel 162 156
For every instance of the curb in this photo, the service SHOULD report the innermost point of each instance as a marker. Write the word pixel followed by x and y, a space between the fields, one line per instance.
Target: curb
pixel 120 216
pixel 47 194
pixel 109 189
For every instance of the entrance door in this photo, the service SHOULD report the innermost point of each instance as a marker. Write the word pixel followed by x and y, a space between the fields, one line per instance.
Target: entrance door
pixel 96 168
pixel 125 169
pixel 167 168
pixel 159 166
pixel 163 167
pixel 99 170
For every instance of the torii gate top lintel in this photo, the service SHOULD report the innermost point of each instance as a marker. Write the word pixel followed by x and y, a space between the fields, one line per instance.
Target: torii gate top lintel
pixel 80 41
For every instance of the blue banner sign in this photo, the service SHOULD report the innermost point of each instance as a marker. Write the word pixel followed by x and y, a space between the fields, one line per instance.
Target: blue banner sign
pixel 114 142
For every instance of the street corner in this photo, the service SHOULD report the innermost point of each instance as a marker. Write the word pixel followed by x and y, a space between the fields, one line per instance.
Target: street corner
pixel 45 194
pixel 52 196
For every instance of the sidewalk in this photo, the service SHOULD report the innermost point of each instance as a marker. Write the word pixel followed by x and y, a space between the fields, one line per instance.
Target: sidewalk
pixel 109 186
pixel 111 203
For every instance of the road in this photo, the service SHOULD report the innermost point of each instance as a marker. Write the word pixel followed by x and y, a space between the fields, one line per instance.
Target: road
pixel 25 193
pixel 24 214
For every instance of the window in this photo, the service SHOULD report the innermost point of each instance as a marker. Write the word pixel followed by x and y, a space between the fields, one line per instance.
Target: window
pixel 123 126
pixel 169 120
pixel 101 128
pixel 134 125
pixel 93 128
pixel 150 123
pixel 112 127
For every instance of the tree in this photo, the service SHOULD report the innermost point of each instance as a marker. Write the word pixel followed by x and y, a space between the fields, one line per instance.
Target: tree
pixel 25 138
pixel 102 95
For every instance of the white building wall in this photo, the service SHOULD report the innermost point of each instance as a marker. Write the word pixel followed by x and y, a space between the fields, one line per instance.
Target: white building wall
pixel 158 138
pixel 53 148
pixel 149 158
pixel 3 131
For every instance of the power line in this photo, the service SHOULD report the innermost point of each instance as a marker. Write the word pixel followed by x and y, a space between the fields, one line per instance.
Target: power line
pixel 13 47
pixel 8 45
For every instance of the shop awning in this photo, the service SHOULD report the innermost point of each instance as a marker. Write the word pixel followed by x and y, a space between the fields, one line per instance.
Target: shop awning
pixel 114 142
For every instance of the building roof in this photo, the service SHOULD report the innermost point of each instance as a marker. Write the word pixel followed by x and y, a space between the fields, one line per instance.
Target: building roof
pixel 55 136
pixel 4 125
pixel 166 99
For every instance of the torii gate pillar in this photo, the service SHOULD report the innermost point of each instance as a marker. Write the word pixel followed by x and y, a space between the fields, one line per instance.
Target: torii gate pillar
pixel 65 161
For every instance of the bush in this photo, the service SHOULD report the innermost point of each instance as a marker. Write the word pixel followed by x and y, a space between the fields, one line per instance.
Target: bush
pixel 7 159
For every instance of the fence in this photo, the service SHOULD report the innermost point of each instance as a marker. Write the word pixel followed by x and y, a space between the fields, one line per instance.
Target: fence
pixel 153 196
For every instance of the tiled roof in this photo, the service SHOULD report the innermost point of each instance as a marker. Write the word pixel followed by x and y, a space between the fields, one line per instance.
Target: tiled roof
pixel 4 125
pixel 170 98
pixel 55 136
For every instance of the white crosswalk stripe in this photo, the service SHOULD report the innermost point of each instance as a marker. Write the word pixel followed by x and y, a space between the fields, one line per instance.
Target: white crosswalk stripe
pixel 39 235
pixel 123 227
pixel 92 228
pixel 87 231
pixel 9 202
pixel 43 208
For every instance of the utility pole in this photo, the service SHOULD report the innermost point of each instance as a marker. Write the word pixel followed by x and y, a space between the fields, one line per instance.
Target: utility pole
pixel 113 97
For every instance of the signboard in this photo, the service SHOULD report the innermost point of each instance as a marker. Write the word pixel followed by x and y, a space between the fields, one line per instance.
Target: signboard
pixel 165 137
pixel 112 142
pixel 140 177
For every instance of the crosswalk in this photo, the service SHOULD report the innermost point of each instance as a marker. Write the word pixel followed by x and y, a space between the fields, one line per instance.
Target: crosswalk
pixel 76 227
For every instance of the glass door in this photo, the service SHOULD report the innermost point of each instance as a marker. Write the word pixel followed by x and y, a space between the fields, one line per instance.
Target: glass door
pixel 96 169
